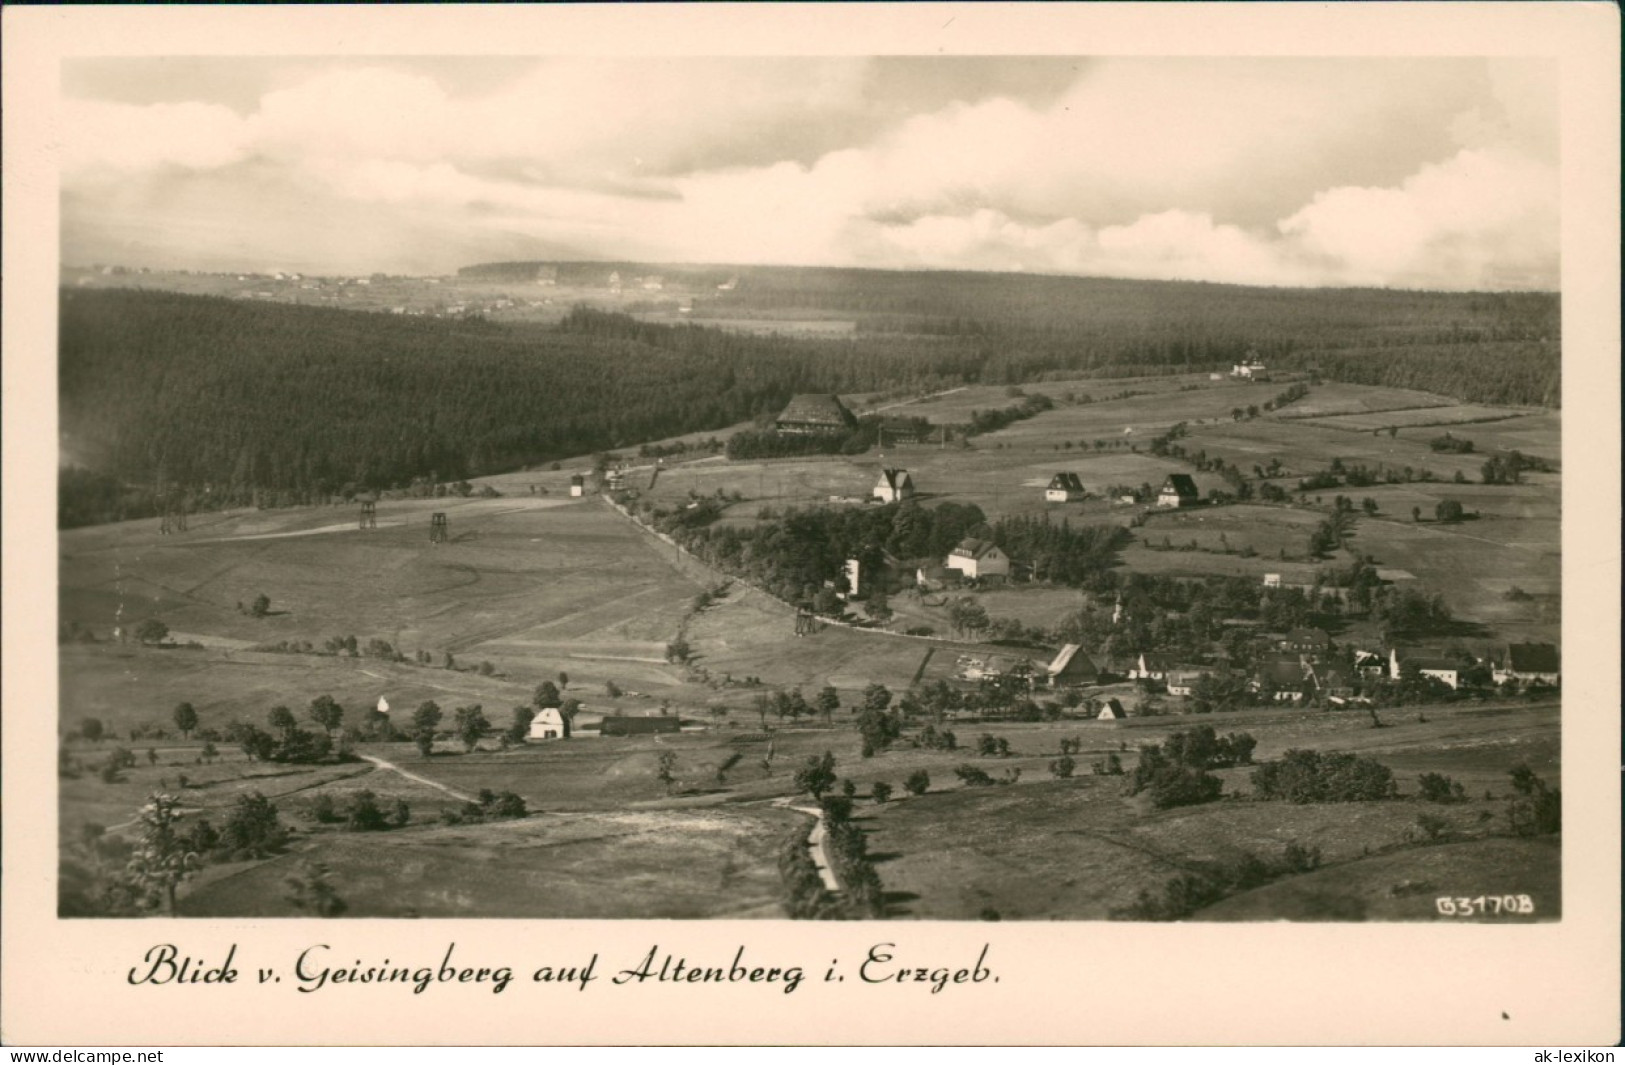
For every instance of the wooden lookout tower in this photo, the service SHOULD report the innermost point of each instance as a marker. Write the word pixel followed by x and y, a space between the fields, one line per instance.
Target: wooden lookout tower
pixel 369 514
pixel 438 530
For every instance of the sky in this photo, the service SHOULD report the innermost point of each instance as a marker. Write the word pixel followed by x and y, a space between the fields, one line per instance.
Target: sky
pixel 1438 173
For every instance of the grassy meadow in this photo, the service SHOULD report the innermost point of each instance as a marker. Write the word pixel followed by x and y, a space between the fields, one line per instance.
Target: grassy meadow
pixel 534 583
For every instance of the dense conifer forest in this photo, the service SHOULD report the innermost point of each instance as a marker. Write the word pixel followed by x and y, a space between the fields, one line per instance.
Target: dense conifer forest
pixel 234 402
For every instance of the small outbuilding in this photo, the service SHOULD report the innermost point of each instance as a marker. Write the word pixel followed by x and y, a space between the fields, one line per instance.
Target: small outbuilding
pixel 578 485
pixel 1072 666
pixel 548 724
pixel 1179 490
pixel 1064 487
pixel 1112 710
pixel 894 486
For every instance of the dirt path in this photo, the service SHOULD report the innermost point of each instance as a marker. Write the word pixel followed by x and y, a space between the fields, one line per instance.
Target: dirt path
pixel 916 399
pixel 409 775
pixel 815 841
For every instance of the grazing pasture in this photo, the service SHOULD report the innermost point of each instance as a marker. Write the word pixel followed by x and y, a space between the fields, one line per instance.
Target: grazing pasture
pixel 533 582
pixel 629 864
pixel 1335 398
pixel 1080 848
pixel 1464 414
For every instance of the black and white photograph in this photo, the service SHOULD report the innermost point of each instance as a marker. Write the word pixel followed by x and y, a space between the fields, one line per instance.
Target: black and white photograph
pixel 965 486
pixel 975 488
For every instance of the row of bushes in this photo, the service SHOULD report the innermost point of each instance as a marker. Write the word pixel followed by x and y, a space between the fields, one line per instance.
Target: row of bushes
pixel 1184 895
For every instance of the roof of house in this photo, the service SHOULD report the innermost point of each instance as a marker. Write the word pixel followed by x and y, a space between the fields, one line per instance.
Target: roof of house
pixel 896 479
pixel 1533 658
pixel 1070 657
pixel 1113 708
pixel 1067 481
pixel 1184 678
pixel 819 410
pixel 970 547
pixel 937 572
pixel 1158 660
pixel 1181 483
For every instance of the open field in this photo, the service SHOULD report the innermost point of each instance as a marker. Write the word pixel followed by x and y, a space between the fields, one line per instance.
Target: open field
pixel 1335 398
pixel 1443 417
pixel 532 586
pixel 1079 848
pixel 1405 886
pixel 645 864
pixel 535 583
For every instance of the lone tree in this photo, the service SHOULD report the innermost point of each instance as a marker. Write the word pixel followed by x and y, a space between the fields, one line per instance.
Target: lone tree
pixel 91 729
pixel 1448 510
pixel 325 712
pixel 185 719
pixel 520 729
pixel 663 769
pixel 817 776
pixel 261 605
pixel 568 711
pixel 282 719
pixel 876 697
pixel 547 694
pixel 162 858
pixel 471 725
pixel 424 720
pixel 827 701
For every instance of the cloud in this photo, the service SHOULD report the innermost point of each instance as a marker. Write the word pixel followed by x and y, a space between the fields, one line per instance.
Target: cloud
pixel 101 139
pixel 1481 219
pixel 1435 172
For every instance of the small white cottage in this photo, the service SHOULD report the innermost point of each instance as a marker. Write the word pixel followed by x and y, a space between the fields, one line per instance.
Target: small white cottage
pixel 548 724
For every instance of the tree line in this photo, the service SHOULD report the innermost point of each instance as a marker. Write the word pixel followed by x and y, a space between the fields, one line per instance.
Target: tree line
pixel 171 400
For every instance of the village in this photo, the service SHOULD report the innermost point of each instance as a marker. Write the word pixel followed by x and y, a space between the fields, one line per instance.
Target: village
pixel 896 612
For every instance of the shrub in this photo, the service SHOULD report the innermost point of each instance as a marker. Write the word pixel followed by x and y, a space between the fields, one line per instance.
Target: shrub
pixel 1111 767
pixel 1180 897
pixel 364 814
pixel 1432 825
pixel 804 895
pixel 917 782
pixel 501 805
pixel 252 829
pixel 1436 787
pixel 1310 776
pixel 1172 786
pixel 1300 859
pixel 837 808
pixel 1062 767
pixel 973 777
pixel 880 791
pixel 817 776
pixel 323 810
pixel 1536 809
